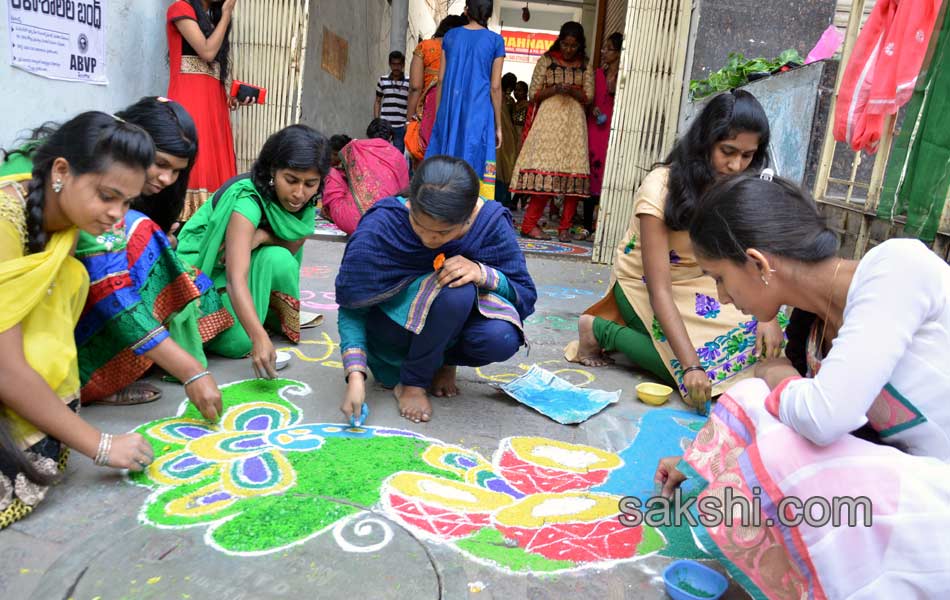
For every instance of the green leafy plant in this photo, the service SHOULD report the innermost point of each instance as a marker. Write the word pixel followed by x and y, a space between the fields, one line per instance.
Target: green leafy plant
pixel 737 71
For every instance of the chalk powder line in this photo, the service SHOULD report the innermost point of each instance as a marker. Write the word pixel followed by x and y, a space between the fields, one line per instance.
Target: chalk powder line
pixel 264 480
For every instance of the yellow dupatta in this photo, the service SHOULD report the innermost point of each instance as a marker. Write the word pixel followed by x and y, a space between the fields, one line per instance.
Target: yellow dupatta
pixel 44 293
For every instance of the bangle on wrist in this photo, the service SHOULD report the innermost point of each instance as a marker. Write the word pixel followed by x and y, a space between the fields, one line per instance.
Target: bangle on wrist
pixel 102 453
pixel 693 368
pixel 195 378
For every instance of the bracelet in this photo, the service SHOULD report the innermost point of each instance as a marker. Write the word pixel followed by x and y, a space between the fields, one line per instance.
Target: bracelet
pixel 484 276
pixel 102 454
pixel 693 368
pixel 196 378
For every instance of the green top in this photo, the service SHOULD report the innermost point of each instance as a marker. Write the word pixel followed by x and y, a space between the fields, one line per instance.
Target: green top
pixel 201 240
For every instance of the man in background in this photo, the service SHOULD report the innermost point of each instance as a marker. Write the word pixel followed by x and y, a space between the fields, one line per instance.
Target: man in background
pixel 392 96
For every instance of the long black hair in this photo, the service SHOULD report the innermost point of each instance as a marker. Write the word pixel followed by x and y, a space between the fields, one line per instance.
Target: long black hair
pixel 444 188
pixel 575 30
pixel 691 172
pixel 448 23
pixel 173 131
pixel 777 216
pixel 89 142
pixel 207 21
pixel 295 147
pixel 479 11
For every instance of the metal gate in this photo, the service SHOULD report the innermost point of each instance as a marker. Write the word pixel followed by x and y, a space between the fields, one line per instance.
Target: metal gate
pixel 268 46
pixel 643 129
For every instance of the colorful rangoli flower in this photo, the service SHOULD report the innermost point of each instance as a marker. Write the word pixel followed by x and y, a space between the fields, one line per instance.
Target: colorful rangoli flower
pixel 263 480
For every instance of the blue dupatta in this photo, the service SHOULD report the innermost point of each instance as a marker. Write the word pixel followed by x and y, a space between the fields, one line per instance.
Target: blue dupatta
pixel 384 256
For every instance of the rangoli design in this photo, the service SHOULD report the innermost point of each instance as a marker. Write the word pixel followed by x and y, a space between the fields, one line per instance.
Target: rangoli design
pixel 264 479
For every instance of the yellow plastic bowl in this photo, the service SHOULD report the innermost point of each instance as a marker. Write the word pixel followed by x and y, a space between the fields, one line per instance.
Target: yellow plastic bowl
pixel 654 394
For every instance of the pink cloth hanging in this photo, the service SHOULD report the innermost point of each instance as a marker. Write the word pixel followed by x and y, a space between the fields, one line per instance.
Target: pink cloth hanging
pixel 883 68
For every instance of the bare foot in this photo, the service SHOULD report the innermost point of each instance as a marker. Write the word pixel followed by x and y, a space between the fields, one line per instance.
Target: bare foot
pixel 443 385
pixel 589 352
pixel 413 403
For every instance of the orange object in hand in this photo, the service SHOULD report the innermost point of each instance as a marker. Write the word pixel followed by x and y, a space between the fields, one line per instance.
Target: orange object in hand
pixel 438 262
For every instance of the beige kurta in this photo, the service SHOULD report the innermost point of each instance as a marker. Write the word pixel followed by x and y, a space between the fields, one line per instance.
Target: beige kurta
pixel 554 158
pixel 724 338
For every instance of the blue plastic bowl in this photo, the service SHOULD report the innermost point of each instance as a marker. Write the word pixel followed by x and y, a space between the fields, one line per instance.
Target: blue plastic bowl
pixel 689 580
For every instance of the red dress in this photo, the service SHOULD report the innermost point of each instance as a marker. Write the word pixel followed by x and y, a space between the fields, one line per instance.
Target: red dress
pixel 196 85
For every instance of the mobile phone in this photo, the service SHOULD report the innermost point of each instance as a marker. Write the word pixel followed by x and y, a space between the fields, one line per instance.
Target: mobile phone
pixel 242 91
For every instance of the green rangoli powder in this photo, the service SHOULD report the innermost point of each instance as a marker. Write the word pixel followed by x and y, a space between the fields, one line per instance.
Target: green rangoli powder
pixel 686 587
pixel 490 544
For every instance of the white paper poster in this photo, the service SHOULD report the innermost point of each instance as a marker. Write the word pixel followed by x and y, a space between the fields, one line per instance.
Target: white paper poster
pixel 59 39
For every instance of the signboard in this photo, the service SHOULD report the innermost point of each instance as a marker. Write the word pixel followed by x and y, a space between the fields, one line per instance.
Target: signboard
pixel 59 39
pixel 530 43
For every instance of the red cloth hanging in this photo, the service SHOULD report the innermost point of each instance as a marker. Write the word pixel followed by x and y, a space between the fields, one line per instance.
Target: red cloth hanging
pixel 883 68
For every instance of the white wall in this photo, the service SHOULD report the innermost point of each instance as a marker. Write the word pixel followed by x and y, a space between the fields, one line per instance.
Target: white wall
pixel 329 104
pixel 422 23
pixel 137 66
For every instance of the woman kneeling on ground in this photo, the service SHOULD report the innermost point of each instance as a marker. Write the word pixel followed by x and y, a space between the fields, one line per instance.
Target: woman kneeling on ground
pixel 249 237
pixel 876 356
pixel 660 310
pixel 428 283
pixel 84 176
pixel 369 169
pixel 145 306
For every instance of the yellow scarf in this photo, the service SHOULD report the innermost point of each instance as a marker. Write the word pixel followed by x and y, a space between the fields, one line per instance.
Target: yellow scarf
pixel 44 293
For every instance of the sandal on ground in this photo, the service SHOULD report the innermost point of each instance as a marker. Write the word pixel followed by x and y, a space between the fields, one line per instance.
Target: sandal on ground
pixel 137 393
pixel 565 236
pixel 536 234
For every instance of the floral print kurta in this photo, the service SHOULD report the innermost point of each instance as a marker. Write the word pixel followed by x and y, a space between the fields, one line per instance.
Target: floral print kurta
pixel 724 338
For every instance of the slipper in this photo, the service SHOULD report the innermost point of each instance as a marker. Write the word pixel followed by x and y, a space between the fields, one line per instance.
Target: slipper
pixel 535 236
pixel 136 393
pixel 309 320
pixel 571 351
pixel 564 237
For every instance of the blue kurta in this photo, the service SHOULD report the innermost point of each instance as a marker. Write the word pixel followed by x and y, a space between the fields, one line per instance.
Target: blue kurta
pixel 465 124
pixel 386 266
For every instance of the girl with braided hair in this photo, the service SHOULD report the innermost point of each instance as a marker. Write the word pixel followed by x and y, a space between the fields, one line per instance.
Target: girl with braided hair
pixel 84 176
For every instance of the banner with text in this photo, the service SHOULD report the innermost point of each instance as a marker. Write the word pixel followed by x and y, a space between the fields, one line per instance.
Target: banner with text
pixel 59 39
pixel 533 43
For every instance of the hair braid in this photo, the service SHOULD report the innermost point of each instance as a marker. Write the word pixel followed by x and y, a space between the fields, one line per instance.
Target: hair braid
pixel 36 235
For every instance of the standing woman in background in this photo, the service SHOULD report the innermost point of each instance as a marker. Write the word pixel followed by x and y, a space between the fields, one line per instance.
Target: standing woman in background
pixel 198 61
pixel 598 122
pixel 553 161
pixel 423 82
pixel 507 152
pixel 468 112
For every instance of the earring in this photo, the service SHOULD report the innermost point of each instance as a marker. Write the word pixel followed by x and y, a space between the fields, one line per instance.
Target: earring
pixel 765 281
pixel 271 182
pixel 58 186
